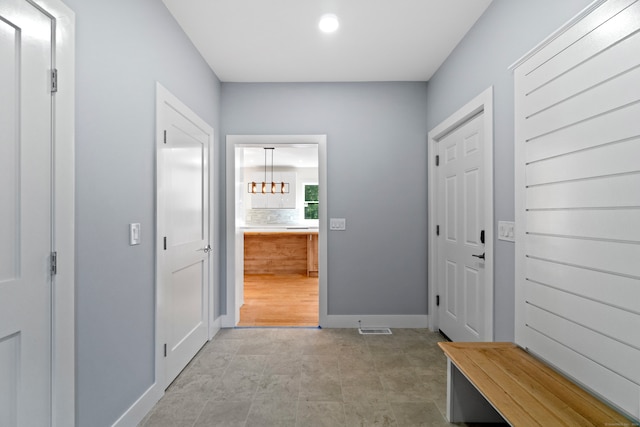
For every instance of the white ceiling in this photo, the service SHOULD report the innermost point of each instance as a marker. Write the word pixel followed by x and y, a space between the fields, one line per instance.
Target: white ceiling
pixel 298 156
pixel 279 40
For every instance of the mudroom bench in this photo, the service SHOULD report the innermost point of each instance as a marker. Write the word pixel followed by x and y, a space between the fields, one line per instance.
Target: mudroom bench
pixel 498 382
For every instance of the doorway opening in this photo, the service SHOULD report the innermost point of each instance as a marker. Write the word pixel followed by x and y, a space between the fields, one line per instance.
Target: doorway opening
pixel 276 277
pixel 280 238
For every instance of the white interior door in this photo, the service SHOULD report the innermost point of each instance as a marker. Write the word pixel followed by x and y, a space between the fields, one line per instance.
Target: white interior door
pixel 461 251
pixel 25 214
pixel 183 187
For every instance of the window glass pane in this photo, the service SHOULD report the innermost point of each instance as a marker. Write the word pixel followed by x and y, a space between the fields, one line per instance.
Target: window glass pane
pixel 311 211
pixel 310 193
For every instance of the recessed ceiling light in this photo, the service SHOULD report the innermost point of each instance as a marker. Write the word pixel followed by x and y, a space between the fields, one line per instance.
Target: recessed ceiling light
pixel 328 23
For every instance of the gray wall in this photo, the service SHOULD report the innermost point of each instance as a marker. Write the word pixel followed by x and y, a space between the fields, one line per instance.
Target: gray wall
pixel 504 33
pixel 376 157
pixel 123 48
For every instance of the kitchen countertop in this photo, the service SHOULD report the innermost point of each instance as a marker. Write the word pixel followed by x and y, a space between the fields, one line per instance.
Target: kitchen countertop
pixel 280 229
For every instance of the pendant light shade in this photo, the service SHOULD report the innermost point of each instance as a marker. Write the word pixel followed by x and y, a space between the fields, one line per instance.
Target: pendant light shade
pixel 268 187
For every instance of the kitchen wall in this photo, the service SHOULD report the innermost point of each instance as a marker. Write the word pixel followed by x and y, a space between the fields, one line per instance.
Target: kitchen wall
pixel 122 49
pixel 376 159
pixel 505 32
pixel 256 217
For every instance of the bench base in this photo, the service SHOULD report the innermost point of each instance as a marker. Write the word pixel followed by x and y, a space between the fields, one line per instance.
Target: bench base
pixel 465 403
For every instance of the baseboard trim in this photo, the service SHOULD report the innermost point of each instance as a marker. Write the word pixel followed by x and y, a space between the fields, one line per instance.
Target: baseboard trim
pixel 214 328
pixel 388 321
pixel 140 408
pixel 226 321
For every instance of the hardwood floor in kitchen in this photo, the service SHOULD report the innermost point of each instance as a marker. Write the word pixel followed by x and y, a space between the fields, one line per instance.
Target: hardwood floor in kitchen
pixel 279 300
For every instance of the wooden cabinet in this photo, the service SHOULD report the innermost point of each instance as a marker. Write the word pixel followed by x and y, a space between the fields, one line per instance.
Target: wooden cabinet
pixel 281 253
pixel 312 255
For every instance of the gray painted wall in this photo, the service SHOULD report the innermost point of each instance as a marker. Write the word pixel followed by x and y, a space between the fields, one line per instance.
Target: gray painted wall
pixel 376 157
pixel 123 48
pixel 505 32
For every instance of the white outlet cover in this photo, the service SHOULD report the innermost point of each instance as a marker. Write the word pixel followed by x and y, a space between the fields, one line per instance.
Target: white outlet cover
pixel 337 224
pixel 507 231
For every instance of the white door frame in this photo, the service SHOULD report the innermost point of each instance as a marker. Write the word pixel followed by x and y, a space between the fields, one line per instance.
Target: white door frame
pixel 164 96
pixel 481 103
pixel 232 316
pixel 63 221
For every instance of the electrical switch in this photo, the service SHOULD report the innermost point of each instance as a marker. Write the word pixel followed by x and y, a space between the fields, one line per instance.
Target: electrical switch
pixel 134 234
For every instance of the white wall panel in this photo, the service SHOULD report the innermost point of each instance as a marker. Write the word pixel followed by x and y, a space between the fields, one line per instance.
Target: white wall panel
pixel 620 258
pixel 586 75
pixel 614 290
pixel 621 358
pixel 617 125
pixel 611 224
pixel 587 163
pixel 613 191
pixel 583 41
pixel 578 202
pixel 590 314
pixel 607 96
pixel 613 388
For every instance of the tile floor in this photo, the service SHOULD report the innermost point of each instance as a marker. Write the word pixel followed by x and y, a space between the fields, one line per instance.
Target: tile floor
pixel 309 377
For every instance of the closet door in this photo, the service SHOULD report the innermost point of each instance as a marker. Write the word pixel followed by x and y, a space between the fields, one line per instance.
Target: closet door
pixel 578 201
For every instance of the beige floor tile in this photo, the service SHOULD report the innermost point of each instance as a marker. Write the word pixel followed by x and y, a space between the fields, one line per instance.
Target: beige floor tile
pixel 279 387
pixel 320 414
pixel 309 377
pixel 412 414
pixel 369 414
pixel 176 410
pixel 224 414
pixel 272 414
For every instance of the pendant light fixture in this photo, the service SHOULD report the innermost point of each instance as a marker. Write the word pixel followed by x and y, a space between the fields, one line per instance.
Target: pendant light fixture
pixel 268 187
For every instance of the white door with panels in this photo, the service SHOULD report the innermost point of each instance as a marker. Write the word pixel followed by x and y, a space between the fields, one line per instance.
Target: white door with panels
pixel 183 226
pixel 25 214
pixel 461 229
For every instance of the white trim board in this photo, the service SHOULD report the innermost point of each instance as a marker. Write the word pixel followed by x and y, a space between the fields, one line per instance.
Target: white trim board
pixel 569 24
pixel 63 294
pixel 481 103
pixel 232 316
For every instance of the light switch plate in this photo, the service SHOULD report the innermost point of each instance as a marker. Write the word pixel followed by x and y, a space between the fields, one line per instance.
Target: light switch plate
pixel 507 231
pixel 337 224
pixel 134 234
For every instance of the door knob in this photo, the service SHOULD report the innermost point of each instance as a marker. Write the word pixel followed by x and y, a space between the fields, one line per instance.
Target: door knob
pixel 479 256
pixel 206 249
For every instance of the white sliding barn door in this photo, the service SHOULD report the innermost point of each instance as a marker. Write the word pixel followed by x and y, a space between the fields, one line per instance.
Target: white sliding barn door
pixel 25 214
pixel 578 202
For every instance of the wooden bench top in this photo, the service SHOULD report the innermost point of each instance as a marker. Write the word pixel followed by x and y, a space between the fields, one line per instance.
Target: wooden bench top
pixel 526 391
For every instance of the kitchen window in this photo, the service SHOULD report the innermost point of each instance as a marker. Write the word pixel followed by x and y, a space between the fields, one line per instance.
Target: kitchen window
pixel 311 201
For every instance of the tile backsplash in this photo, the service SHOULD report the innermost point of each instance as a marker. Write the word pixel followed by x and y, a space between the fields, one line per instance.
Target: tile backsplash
pixel 272 216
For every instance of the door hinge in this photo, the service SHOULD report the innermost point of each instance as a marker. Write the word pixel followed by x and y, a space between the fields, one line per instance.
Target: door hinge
pixel 437 160
pixel 54 80
pixel 165 243
pixel 437 300
pixel 437 230
pixel 54 263
pixel 165 350
pixel 165 136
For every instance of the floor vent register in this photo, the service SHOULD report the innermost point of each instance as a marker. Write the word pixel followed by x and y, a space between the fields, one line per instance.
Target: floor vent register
pixel 374 331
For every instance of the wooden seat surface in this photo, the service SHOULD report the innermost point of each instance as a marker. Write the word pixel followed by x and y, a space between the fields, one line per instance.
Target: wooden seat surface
pixel 526 391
